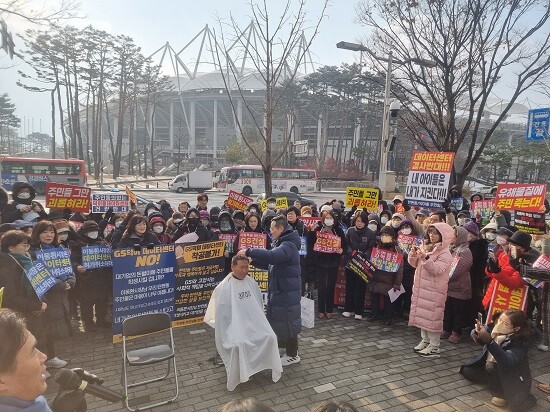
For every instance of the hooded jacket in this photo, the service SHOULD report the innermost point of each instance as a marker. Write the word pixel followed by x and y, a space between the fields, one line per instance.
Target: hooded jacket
pixel 459 202
pixel 460 283
pixel 205 234
pixel 11 213
pixel 284 290
pixel 431 279
pixel 162 237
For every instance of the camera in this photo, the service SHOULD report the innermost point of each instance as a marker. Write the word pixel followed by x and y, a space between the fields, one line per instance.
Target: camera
pixel 395 106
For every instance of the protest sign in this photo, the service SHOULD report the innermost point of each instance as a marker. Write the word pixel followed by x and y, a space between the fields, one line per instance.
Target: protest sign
pixel 280 203
pixel 61 196
pixel 96 256
pixel 57 260
pixel 131 195
pixel 261 276
pixel 482 208
pixel 520 196
pixel 40 277
pixel 200 267
pixel 406 242
pixel 542 262
pixel 229 241
pixel 102 202
pixel 360 265
pixel 310 221
pixel 362 197
pixel 252 240
pixel 143 282
pixel 530 222
pixel 238 201
pixel 386 260
pixel 505 298
pixel 428 180
pixel 327 243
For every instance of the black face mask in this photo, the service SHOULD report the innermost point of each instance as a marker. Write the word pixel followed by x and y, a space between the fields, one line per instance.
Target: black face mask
pixel 214 218
pixel 193 221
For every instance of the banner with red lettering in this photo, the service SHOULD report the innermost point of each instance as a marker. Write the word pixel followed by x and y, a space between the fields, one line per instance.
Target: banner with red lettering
pixel 327 243
pixel 505 298
pixel 238 201
pixel 252 240
pixel 61 196
pixel 522 196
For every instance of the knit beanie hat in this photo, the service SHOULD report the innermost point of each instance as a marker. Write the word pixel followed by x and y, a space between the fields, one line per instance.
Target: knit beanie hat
pixel 89 226
pixel 472 227
pixel 387 230
pixel 305 209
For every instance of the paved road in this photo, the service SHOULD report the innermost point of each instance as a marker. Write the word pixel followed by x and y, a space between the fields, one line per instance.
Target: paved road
pixel 370 365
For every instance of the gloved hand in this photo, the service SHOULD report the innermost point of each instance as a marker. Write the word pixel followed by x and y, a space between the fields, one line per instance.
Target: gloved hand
pixel 69 401
pixel 446 205
pixel 109 214
pixel 406 205
pixel 492 265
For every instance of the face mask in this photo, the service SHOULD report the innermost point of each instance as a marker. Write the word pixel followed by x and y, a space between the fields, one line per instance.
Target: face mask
pixel 253 210
pixel 501 240
pixel 386 239
pixel 92 235
pixel 383 220
pixel 490 236
pixel 118 223
pixel 395 223
pixel 214 219
pixel 513 252
pixel 329 222
pixel 24 195
pixel 502 329
pixel 225 226
pixel 461 221
pixel 406 230
pixel 63 237
pixel 205 222
pixel 193 221
pixel 373 227
pixel 271 205
pixel 158 229
pixel 178 221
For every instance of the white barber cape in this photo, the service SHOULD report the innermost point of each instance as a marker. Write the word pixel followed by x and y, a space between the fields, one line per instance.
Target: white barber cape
pixel 244 338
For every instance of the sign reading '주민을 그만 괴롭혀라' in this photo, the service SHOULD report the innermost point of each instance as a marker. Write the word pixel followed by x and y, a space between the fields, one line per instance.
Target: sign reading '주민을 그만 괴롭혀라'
pixel 428 180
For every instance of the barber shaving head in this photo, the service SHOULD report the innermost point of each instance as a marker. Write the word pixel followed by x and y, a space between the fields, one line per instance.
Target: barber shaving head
pixel 21 363
pixel 239 267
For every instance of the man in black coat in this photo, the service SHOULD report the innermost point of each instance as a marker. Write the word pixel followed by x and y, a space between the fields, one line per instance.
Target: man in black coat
pixel 284 290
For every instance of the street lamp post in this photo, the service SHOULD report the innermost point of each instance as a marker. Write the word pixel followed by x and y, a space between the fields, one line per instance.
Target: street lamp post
pixel 386 179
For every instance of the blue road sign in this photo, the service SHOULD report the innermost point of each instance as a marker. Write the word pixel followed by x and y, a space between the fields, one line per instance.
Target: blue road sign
pixel 538 124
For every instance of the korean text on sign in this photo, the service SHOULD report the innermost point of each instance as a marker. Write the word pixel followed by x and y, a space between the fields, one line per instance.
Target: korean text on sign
pixel 386 260
pixel 505 298
pixel 327 243
pixel 252 240
pixel 281 203
pixel 102 202
pixel 61 196
pixel 238 201
pixel 483 208
pixel 526 197
pixel 362 197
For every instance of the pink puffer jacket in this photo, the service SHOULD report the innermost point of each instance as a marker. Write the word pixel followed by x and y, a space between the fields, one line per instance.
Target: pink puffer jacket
pixel 431 279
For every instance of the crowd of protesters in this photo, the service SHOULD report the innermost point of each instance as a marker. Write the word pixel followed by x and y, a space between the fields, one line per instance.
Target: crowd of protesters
pixel 447 278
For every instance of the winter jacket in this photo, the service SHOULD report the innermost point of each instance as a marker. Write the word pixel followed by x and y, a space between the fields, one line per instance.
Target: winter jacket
pixel 326 260
pixel 359 240
pixel 513 371
pixel 8 404
pixel 143 241
pixel 459 203
pixel 479 251
pixel 3 203
pixel 460 283
pixel 284 289
pixel 16 295
pixel 507 276
pixel 383 281
pixel 431 279
pixel 11 213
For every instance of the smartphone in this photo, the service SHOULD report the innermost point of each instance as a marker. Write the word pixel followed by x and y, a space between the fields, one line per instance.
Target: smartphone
pixel 480 318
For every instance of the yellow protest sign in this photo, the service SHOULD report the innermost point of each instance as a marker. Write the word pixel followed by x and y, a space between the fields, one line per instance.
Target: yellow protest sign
pixel 281 203
pixel 362 197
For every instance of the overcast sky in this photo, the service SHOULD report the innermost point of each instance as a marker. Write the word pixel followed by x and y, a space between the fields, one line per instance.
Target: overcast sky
pixel 153 23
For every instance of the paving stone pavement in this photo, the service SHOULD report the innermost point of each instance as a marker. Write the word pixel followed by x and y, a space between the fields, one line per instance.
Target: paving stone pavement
pixel 370 365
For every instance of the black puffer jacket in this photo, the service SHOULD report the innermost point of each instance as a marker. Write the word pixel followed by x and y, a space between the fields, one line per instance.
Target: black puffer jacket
pixel 361 240
pixel 11 213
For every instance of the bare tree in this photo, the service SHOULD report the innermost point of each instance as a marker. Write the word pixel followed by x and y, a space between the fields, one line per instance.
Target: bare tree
pixel 478 45
pixel 276 59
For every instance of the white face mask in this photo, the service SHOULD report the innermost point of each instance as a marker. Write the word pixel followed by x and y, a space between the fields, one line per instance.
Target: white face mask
pixel 158 229
pixel 386 239
pixel 178 221
pixel 92 235
pixel 329 222
pixel 501 329
pixel 373 227
pixel 383 220
pixel 513 252
pixel 490 236
pixel 271 205
pixel 118 223
pixel 63 236
pixel 395 223
pixel 24 195
pixel 406 230
pixel 501 240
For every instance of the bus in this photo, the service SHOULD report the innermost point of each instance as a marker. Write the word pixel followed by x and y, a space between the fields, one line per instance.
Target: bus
pixel 248 179
pixel 38 172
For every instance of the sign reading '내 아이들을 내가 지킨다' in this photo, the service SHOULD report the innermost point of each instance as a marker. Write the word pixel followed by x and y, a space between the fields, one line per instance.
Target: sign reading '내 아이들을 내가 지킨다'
pixel 428 180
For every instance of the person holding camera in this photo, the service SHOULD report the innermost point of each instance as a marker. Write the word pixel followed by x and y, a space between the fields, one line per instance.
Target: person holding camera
pixel 503 364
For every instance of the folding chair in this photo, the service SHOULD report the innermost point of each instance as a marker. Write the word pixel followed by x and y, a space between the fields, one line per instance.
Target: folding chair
pixel 143 325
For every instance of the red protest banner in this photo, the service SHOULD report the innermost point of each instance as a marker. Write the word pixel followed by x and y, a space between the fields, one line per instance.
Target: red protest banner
pixel 252 240
pixel 505 298
pixel 310 221
pixel 522 196
pixel 61 196
pixel 238 201
pixel 327 243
